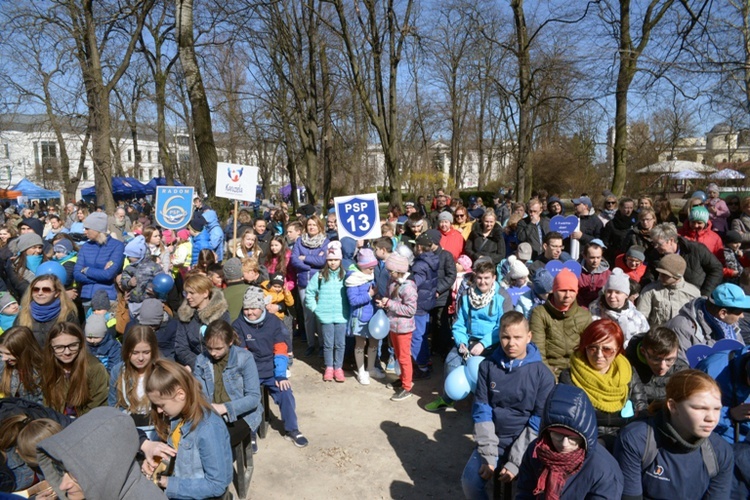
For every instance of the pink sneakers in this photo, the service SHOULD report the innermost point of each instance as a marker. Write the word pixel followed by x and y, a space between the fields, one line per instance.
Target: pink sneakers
pixel 328 375
pixel 338 375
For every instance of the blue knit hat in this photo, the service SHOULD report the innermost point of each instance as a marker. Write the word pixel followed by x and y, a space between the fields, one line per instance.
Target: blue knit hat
pixel 136 249
pixel 542 282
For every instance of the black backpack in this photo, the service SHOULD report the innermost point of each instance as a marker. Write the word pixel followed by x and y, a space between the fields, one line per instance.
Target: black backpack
pixel 707 452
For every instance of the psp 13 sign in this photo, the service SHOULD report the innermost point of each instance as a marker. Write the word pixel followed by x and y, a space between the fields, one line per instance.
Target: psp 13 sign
pixel 358 216
pixel 174 206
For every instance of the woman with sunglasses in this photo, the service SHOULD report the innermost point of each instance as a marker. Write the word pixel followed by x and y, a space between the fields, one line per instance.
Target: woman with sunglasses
pixel 44 305
pixel 73 381
pixel 462 223
pixel 600 368
pixel 21 267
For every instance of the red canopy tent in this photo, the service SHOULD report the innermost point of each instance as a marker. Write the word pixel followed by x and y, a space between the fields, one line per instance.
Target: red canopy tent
pixel 6 194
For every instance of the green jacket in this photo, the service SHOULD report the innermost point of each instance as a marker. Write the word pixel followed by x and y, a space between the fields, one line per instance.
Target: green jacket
pixel 557 333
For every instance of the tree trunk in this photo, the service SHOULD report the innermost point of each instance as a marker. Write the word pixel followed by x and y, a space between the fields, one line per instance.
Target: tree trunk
pixel 524 168
pixel 200 110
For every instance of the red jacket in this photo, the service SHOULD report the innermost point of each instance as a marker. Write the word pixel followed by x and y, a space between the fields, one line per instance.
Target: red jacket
pixel 453 241
pixel 591 283
pixel 634 274
pixel 707 236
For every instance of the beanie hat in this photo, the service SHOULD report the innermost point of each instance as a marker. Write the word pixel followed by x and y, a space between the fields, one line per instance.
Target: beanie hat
pixel 366 259
pixel 136 248
pixel 565 280
pixel 334 251
pixel 465 262
pixel 699 213
pixel 713 187
pixel 28 240
pixel 100 301
pixel 152 313
pixel 233 269
pixel 6 299
pixel 524 251
pixel 197 223
pixel 435 235
pixel 397 263
pixel 405 251
pixel 168 237
pixel 672 265
pixel 35 224
pixel 733 237
pixel 445 215
pixel 542 282
pixel 277 279
pixel 254 298
pixel 619 281
pixel 517 268
pixel 637 252
pixel 96 326
pixel 183 235
pixel 424 240
pixel 96 221
pixel 63 246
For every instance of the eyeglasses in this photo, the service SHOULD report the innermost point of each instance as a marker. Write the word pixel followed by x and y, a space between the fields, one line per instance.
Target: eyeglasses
pixel 607 351
pixel 658 359
pixel 42 289
pixel 59 349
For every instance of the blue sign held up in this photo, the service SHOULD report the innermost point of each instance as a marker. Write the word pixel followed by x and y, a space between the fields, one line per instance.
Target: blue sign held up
pixel 563 225
pixel 174 206
pixel 358 216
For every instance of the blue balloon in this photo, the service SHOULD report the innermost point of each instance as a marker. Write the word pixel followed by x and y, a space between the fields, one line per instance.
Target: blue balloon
pixel 379 325
pixel 162 284
pixel 472 370
pixel 457 385
pixel 699 194
pixel 53 268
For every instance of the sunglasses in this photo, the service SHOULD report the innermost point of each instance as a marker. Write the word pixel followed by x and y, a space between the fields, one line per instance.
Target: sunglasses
pixel 42 289
pixel 607 351
pixel 611 203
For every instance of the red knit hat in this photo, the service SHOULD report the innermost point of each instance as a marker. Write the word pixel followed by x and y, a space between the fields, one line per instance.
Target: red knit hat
pixel 565 280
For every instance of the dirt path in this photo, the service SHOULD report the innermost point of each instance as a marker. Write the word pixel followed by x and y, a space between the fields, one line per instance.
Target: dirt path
pixel 362 445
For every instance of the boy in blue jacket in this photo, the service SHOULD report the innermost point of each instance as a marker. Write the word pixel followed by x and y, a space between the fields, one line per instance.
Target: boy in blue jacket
pixel 101 341
pixel 264 335
pixel 199 237
pixel 425 275
pixel 512 387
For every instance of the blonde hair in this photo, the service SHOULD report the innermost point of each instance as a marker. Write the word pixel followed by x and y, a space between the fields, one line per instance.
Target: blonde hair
pixel 199 283
pixel 66 305
pixel 250 264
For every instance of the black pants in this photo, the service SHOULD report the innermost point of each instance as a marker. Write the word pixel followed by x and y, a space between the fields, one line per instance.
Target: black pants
pixel 238 431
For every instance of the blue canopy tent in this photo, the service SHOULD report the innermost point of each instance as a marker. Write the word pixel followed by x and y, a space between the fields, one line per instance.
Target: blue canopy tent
pixel 34 192
pixel 123 188
pixel 160 181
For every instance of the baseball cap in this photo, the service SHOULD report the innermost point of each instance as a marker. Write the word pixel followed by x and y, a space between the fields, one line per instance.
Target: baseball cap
pixel 583 199
pixel 730 296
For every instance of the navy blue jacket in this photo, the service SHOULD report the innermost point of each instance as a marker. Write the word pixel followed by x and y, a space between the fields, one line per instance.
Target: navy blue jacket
pixel 599 476
pixel 425 276
pixel 267 341
pixel 381 279
pixel 673 473
pixel 108 351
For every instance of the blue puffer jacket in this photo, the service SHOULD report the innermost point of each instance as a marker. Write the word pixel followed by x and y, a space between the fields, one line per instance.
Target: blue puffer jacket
pixel 215 234
pixel 241 383
pixel 200 241
pixel 102 263
pixel 327 298
pixel 266 340
pixel 358 286
pixel 203 467
pixel 599 476
pixel 315 259
pixel 108 351
pixel 731 375
pixel 482 324
pixel 424 272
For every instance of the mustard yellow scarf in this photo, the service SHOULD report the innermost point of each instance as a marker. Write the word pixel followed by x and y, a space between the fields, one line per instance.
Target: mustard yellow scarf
pixel 607 391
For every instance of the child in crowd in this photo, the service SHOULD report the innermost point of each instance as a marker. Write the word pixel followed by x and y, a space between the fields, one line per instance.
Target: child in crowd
pixel 463 267
pixel 360 289
pixel 264 335
pixel 127 382
pixel 186 422
pixel 253 273
pixel 734 259
pixel 182 253
pixel 138 275
pixel 401 305
pixel 8 311
pixel 282 304
pixel 541 287
pixel 517 275
pixel 19 435
pixel 326 298
pixel 20 370
pixel 101 341
pixel 631 263
pixel 65 255
pixel 653 355
pixel 215 273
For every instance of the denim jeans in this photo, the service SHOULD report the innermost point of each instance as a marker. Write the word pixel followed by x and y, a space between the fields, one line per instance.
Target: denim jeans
pixel 420 346
pixel 334 341
pixel 475 488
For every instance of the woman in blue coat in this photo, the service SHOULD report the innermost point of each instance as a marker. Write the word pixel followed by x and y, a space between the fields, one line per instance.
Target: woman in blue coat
pixel 309 257
pixel 100 259
pixel 565 461
pixel 236 394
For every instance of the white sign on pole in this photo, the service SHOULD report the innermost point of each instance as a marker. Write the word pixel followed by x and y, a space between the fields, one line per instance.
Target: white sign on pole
pixel 236 182
pixel 358 216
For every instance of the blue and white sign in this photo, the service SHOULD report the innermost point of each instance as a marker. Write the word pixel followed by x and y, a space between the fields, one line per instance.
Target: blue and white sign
pixel 236 182
pixel 174 206
pixel 358 216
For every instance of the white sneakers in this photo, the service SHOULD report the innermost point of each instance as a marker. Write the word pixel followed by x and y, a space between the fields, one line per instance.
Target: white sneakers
pixel 363 376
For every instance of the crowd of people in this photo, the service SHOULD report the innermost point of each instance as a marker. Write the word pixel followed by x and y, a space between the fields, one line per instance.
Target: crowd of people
pixel 161 343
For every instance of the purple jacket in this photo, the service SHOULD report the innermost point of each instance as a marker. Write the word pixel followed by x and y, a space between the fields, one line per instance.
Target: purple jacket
pixel 402 306
pixel 315 260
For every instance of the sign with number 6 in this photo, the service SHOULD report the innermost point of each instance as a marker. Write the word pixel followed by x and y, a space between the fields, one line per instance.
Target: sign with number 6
pixel 358 216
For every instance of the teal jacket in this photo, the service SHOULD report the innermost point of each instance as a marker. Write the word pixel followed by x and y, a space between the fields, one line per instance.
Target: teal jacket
pixel 327 298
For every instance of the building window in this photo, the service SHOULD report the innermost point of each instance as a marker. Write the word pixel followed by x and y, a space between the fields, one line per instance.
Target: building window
pixel 182 140
pixel 85 175
pixel 49 150
pixel 149 156
pixel 6 150
pixel 138 156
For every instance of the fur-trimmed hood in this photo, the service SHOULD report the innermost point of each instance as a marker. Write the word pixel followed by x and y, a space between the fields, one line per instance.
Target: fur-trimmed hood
pixel 217 306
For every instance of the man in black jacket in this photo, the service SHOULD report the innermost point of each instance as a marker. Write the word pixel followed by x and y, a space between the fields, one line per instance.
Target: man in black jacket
pixel 533 229
pixel 703 268
pixel 440 323
pixel 591 226
pixel 617 229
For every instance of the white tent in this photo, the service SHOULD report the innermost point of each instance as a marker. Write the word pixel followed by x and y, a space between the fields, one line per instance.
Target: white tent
pixel 674 166
pixel 728 173
pixel 687 174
